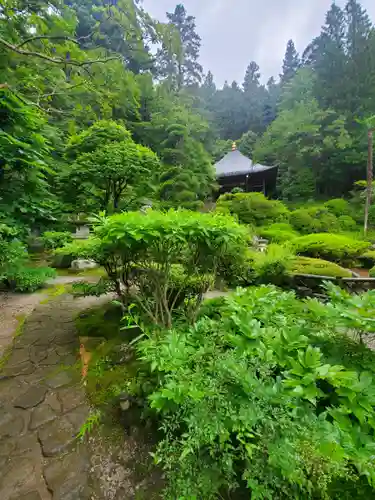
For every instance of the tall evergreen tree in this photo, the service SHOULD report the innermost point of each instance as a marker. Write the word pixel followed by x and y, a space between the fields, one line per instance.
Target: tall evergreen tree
pixel 209 83
pixel 272 98
pixel 361 63
pixel 187 69
pixel 252 77
pixel 291 62
pixel 328 58
pixel 254 98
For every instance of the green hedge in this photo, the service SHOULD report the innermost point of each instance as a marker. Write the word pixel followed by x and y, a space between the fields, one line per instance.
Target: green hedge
pixel 338 207
pixel 347 223
pixel 333 247
pixel 319 267
pixel 278 232
pixel 28 279
pixel 314 220
pixel 252 208
pixel 14 271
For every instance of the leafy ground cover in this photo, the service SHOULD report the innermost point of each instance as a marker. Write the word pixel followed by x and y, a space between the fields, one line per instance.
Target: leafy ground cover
pixel 254 397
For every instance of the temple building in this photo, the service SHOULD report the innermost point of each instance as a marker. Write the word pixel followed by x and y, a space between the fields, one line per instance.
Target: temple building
pixel 236 170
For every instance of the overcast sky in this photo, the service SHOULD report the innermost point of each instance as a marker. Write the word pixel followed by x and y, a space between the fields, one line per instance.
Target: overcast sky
pixel 234 32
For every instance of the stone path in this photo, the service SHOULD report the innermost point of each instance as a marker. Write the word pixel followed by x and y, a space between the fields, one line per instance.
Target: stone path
pixel 42 407
pixel 13 308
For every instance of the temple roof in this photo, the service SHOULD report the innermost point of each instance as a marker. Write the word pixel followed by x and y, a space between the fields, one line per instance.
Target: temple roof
pixel 235 163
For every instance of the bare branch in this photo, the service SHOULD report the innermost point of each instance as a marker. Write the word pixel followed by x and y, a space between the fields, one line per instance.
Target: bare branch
pixel 55 60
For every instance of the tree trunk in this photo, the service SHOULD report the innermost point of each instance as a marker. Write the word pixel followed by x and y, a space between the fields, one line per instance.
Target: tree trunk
pixel 369 178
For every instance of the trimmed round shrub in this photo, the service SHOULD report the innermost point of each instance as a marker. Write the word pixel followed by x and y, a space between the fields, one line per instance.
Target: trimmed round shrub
pixel 278 232
pixel 347 223
pixel 372 272
pixel 326 222
pixel 252 208
pixel 302 221
pixel 314 220
pixel 333 247
pixel 338 207
pixel 319 267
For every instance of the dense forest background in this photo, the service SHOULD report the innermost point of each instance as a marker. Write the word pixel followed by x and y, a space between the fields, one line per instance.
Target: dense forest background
pixel 87 86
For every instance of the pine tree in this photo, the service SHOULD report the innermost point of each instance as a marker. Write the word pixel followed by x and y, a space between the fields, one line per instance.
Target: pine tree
pixel 187 69
pixel 252 77
pixel 207 89
pixel 361 64
pixel 328 58
pixel 254 98
pixel 359 27
pixel 209 83
pixel 270 106
pixel 291 62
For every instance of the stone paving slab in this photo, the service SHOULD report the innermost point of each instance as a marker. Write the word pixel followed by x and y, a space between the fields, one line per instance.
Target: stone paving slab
pixel 42 407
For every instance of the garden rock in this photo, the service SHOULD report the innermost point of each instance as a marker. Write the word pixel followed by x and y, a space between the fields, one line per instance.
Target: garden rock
pixel 62 261
pixel 83 265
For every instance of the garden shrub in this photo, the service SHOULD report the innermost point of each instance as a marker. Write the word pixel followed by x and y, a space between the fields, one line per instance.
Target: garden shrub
pixel 139 250
pixel 184 287
pixel 237 269
pixel 252 208
pixel 212 308
pixel 347 223
pixel 278 232
pixel 314 220
pixel 333 247
pixel 302 221
pixel 77 249
pixel 28 279
pixel 56 239
pixel 250 407
pixel 372 272
pixel 368 258
pixel 273 265
pixel 13 255
pixel 319 267
pixel 327 222
pixel 14 271
pixel 338 207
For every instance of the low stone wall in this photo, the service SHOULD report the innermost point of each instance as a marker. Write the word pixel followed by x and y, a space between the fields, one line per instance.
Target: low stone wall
pixel 309 284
